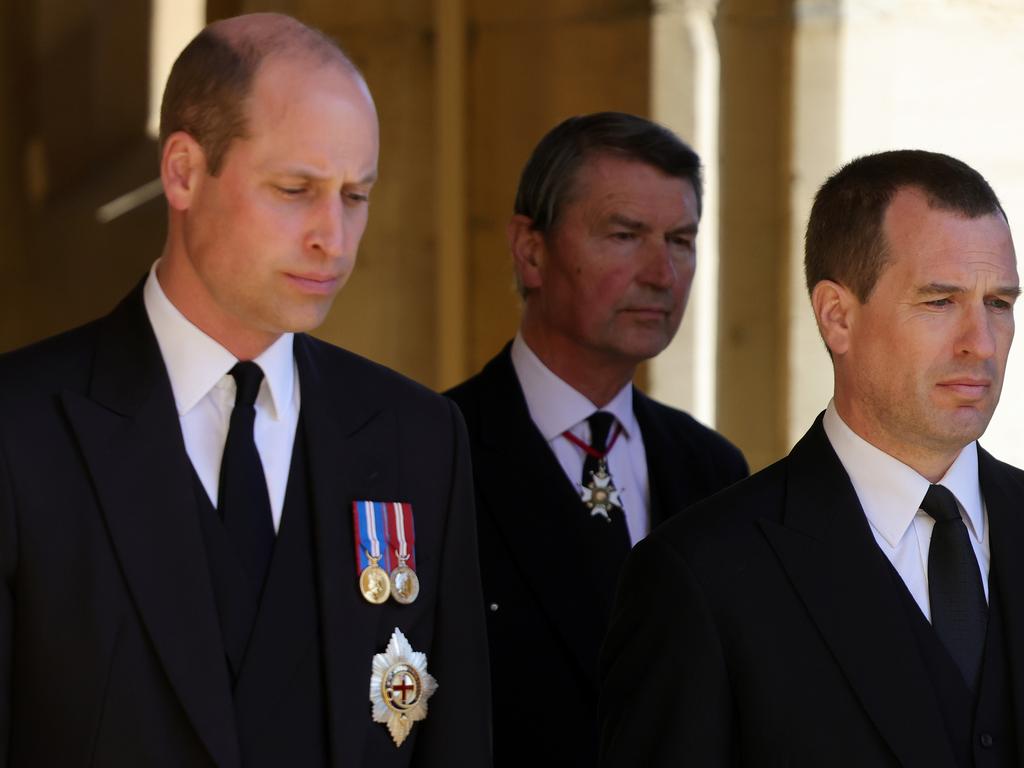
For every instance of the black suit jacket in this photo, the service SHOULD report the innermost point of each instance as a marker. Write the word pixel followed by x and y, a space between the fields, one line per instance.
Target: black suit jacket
pixel 544 625
pixel 766 628
pixel 110 652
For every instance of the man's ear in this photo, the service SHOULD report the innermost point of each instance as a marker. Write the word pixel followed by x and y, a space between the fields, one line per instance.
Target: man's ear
pixel 526 245
pixel 835 310
pixel 182 166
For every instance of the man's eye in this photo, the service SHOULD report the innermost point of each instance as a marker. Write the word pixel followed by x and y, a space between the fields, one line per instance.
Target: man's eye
pixel 357 197
pixel 624 236
pixel 999 304
pixel 291 191
pixel 939 302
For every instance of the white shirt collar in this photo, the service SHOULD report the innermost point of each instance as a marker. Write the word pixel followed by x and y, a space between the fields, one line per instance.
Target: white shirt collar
pixel 196 363
pixel 891 492
pixel 554 405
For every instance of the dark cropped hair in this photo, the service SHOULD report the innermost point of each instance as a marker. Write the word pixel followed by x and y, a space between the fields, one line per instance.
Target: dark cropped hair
pixel 212 78
pixel 548 180
pixel 845 241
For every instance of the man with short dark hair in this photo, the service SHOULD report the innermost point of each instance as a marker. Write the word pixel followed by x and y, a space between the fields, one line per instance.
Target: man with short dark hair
pixel 572 465
pixel 858 603
pixel 223 542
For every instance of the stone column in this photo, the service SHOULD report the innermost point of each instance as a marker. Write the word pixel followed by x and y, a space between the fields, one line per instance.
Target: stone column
pixel 756 43
pixel 684 97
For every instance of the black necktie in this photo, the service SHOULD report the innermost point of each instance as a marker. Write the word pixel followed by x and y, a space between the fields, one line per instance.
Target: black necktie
pixel 600 425
pixel 608 536
pixel 244 504
pixel 955 592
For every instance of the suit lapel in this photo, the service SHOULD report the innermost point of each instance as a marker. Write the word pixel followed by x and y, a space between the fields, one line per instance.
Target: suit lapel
pixel 533 504
pixel 826 547
pixel 665 463
pixel 130 436
pixel 1002 496
pixel 348 438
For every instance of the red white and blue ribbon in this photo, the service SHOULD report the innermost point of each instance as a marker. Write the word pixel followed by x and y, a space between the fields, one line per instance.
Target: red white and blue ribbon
pixel 370 519
pixel 401 534
pixel 385 533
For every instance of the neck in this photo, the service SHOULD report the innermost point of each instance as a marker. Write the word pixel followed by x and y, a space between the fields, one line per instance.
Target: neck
pixel 596 379
pixel 184 289
pixel 931 463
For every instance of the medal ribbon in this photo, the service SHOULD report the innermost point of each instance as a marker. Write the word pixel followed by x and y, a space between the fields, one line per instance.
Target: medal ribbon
pixel 589 449
pixel 370 519
pixel 401 525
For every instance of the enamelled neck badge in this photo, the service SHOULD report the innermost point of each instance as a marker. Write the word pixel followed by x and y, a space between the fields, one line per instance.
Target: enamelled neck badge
pixel 598 492
pixel 385 551
pixel 400 686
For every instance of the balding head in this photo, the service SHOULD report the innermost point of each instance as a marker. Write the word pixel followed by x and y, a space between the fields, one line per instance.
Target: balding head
pixel 213 76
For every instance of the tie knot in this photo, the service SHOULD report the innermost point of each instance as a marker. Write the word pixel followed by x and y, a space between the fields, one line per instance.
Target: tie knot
pixel 940 503
pixel 247 377
pixel 600 425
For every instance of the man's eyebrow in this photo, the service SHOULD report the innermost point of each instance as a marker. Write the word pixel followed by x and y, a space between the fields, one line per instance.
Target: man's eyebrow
pixel 933 289
pixel 618 219
pixel 307 172
pixel 686 229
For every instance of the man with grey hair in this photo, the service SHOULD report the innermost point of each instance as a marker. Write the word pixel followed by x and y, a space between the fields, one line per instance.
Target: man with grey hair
pixel 223 542
pixel 572 465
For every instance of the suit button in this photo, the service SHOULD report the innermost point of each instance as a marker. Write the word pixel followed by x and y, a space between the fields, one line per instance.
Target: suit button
pixel 494 607
pixel 986 740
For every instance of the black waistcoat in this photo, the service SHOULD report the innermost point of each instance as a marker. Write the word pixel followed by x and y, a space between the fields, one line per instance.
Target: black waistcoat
pixel 280 705
pixel 979 728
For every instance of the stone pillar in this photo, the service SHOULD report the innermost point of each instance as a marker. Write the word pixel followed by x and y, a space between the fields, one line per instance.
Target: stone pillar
pixel 816 132
pixel 75 132
pixel 756 43
pixel 451 131
pixel 13 97
pixel 684 97
pixel 388 311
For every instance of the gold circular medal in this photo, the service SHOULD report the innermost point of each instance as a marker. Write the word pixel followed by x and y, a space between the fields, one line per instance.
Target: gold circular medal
pixel 405 585
pixel 374 584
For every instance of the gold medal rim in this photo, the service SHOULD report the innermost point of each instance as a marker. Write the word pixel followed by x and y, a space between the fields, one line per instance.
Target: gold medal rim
pixel 413 579
pixel 405 666
pixel 374 572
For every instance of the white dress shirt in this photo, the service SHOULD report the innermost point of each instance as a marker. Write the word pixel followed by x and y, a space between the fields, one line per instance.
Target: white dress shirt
pixel 204 394
pixel 891 493
pixel 556 407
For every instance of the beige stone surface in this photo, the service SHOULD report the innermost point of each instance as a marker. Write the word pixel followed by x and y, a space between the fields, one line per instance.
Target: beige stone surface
pixel 525 77
pixel 684 97
pixel 947 77
pixel 387 310
pixel 817 90
pixel 755 43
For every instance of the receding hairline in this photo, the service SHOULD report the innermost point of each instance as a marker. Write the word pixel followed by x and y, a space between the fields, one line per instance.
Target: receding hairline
pixel 272 36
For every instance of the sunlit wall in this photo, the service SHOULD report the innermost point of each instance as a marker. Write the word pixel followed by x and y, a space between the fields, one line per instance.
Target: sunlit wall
pixel 941 75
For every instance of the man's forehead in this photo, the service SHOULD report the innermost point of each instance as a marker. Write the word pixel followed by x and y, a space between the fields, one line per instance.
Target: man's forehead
pixel 282 80
pixel 608 165
pixel 610 181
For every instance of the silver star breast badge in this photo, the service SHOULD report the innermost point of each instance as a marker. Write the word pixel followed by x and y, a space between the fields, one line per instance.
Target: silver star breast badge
pixel 400 686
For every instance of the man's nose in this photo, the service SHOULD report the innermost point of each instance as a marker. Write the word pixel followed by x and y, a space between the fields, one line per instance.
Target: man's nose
pixel 327 231
pixel 660 269
pixel 977 337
